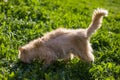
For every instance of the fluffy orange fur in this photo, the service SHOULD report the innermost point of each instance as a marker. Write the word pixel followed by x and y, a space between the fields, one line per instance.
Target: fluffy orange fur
pixel 61 43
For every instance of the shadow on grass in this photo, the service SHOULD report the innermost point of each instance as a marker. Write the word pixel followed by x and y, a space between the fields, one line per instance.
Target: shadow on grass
pixel 57 71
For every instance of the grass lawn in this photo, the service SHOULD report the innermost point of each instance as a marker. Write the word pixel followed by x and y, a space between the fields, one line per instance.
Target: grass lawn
pixel 24 20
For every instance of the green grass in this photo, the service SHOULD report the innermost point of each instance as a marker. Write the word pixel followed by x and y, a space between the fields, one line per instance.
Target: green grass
pixel 24 20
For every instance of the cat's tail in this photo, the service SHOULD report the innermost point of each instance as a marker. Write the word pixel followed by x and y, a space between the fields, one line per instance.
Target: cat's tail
pixel 97 17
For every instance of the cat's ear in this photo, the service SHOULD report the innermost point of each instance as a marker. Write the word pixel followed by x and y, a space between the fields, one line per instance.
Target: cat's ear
pixel 21 49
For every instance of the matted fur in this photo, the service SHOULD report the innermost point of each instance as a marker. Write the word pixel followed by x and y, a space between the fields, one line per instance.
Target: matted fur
pixel 61 43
